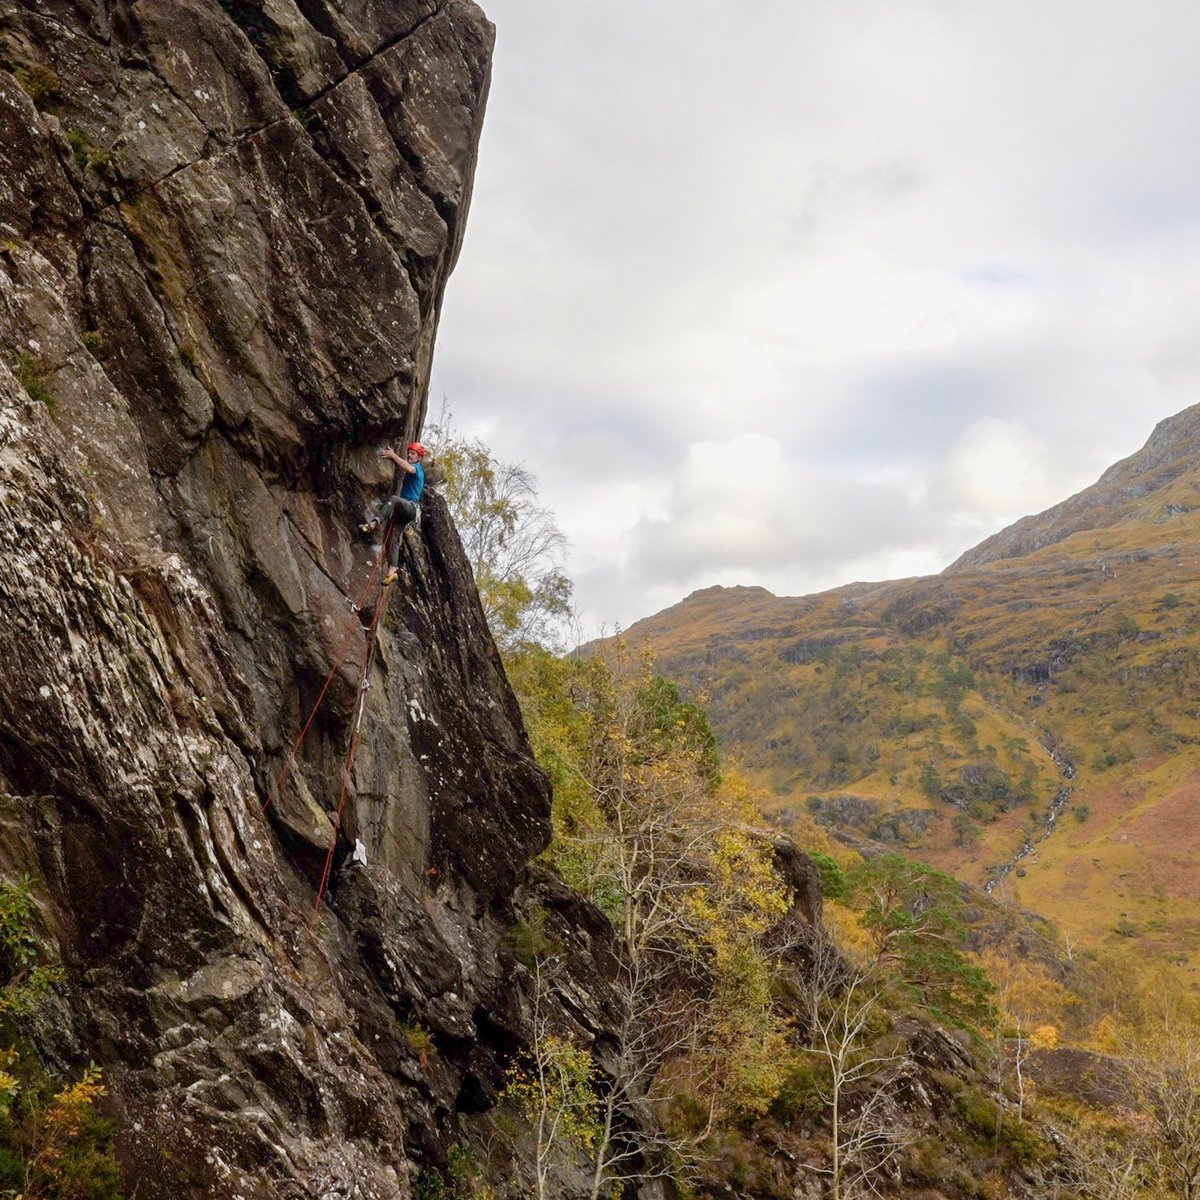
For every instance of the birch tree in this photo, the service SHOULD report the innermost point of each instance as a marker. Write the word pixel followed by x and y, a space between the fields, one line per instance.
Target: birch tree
pixel 513 542
pixel 857 1081
pixel 665 848
pixel 1164 1077
pixel 553 1089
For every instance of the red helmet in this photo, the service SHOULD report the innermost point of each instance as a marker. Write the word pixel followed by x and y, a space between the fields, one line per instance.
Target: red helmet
pixel 417 449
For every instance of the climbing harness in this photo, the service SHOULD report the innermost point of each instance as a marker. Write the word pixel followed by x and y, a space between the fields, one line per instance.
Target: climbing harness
pixel 360 707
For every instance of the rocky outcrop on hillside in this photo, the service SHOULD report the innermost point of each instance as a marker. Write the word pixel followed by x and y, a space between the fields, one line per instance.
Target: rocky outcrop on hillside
pixel 224 234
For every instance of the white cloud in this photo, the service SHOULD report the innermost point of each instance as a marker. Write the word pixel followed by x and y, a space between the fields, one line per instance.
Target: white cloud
pixel 998 471
pixel 940 257
pixel 746 506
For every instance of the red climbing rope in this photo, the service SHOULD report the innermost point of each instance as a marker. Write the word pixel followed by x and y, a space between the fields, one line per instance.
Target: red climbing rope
pixel 341 653
pixel 360 710
pixel 351 752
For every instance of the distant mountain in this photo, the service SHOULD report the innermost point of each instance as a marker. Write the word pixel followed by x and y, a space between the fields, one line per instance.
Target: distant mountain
pixel 1029 718
pixel 1130 489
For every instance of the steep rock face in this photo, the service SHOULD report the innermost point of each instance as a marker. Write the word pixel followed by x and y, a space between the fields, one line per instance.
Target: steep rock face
pixel 224 233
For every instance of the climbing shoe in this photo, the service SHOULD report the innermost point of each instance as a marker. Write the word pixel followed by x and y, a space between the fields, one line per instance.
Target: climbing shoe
pixel 390 577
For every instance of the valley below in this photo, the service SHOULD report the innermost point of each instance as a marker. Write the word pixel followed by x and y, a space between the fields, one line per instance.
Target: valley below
pixel 1028 720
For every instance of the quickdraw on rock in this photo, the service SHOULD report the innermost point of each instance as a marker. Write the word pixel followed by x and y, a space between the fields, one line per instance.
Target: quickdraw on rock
pixel 364 686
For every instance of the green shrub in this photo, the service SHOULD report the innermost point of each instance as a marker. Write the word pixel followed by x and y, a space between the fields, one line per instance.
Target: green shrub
pixel 965 832
pixel 78 143
pixel 926 1159
pixel 979 1114
pixel 12 1168
pixel 41 85
pixel 54 1145
pixel 29 376
pixel 528 937
pixel 431 1185
pixel 84 152
pixel 462 1166
pixel 801 1093
pixel 833 881
pixel 930 782
pixel 23 982
pixel 419 1041
pixel 1125 627
pixel 17 945
pixel 988 1123
pixel 1022 1141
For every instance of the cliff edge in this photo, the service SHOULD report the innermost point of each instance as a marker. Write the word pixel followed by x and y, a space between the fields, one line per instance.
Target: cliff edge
pixel 225 229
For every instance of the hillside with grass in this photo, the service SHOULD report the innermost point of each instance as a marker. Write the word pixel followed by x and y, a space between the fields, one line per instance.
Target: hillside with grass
pixel 1029 719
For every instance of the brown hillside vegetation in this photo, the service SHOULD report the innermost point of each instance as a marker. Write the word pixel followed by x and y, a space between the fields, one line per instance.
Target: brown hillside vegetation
pixel 1040 698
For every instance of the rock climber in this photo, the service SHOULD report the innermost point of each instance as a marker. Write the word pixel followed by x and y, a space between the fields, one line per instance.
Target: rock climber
pixel 405 504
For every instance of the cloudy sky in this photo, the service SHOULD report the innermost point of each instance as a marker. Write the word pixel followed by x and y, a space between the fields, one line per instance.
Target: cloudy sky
pixel 796 292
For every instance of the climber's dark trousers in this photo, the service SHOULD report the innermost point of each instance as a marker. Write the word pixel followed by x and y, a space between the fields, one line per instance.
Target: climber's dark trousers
pixel 406 513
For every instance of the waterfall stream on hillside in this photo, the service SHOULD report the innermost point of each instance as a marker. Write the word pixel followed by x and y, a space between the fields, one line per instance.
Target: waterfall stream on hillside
pixel 1052 814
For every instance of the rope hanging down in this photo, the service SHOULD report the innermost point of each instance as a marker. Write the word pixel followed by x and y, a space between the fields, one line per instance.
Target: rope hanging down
pixel 351 752
pixel 337 662
pixel 359 711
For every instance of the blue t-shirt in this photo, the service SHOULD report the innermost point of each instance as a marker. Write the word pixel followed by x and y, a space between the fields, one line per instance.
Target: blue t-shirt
pixel 414 484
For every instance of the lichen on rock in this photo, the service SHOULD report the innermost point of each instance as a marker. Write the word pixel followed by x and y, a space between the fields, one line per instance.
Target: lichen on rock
pixel 225 230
